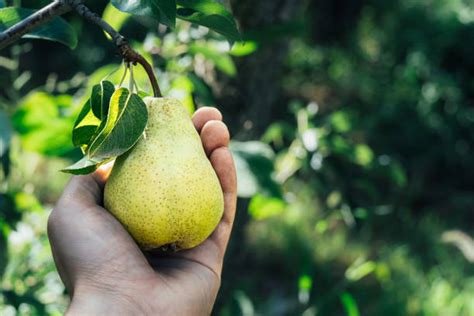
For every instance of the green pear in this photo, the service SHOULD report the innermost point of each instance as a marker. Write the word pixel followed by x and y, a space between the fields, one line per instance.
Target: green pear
pixel 164 190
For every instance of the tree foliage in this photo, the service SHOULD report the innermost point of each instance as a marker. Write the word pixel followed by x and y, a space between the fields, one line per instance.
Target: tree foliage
pixel 357 198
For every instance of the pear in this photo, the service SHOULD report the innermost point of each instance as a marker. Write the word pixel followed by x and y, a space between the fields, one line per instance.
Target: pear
pixel 164 190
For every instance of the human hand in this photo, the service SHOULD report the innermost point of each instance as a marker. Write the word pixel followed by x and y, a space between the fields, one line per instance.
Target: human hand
pixel 104 270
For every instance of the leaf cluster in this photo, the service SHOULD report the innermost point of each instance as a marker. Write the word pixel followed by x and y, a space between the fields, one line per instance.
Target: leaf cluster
pixel 206 13
pixel 109 124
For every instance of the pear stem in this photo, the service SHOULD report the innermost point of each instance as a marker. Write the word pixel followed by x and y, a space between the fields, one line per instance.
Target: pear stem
pixel 126 66
pixel 128 53
pixel 135 58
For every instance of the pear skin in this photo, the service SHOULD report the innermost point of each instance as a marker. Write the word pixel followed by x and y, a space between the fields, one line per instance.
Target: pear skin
pixel 165 191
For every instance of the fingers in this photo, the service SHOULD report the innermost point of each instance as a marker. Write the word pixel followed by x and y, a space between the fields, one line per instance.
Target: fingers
pixel 215 138
pixel 211 252
pixel 87 189
pixel 205 114
pixel 214 135
pixel 222 161
pixel 82 190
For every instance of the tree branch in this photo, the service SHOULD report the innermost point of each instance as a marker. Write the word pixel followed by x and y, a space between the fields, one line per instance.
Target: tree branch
pixel 128 53
pixel 60 7
pixel 38 18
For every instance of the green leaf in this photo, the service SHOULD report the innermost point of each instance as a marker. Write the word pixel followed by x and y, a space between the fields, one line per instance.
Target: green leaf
pixel 210 14
pixel 43 124
pixel 201 90
pixel 222 61
pixel 100 98
pixel 125 124
pixel 143 94
pixel 27 202
pixel 182 89
pixel 305 282
pixel 114 17
pixel 341 121
pixel 262 207
pixel 254 164
pixel 398 174
pixel 56 30
pixel 241 49
pixel 85 126
pixel 83 166
pixel 162 10
pixel 349 304
pixel 360 269
pixel 363 155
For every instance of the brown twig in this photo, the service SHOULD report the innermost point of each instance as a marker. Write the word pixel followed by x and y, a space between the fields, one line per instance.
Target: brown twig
pixel 60 7
pixel 128 53
pixel 38 18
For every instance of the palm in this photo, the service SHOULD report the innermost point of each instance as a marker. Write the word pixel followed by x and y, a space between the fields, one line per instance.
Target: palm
pixel 90 244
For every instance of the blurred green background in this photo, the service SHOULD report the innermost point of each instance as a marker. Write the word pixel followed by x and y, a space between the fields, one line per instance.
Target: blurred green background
pixel 353 128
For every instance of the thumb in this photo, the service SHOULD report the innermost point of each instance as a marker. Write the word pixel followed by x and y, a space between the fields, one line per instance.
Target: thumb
pixel 102 173
pixel 87 189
